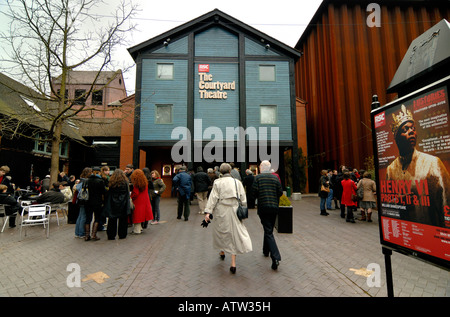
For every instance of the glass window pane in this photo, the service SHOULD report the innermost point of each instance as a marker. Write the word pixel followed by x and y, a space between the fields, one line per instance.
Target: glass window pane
pixel 80 97
pixel 266 72
pixel 268 114
pixel 163 114
pixel 97 97
pixel 164 71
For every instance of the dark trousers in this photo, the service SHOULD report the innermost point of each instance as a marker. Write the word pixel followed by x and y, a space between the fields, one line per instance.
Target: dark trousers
pixel 350 212
pixel 268 217
pixel 93 211
pixel 111 230
pixel 183 201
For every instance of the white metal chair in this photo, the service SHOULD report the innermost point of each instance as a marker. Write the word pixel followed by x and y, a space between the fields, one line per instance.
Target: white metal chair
pixel 64 207
pixel 35 215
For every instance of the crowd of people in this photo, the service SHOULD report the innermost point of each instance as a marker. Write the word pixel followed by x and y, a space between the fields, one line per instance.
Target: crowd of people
pixel 115 201
pixel 128 198
pixel 350 189
pixel 124 198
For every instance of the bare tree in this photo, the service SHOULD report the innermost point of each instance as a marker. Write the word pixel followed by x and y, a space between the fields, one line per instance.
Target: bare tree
pixel 50 38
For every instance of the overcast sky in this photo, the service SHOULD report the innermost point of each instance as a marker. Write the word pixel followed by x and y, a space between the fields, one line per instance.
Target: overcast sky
pixel 284 20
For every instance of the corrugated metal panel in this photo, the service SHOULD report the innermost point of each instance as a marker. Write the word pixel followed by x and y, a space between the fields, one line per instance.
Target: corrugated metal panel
pixel 345 62
pixel 155 92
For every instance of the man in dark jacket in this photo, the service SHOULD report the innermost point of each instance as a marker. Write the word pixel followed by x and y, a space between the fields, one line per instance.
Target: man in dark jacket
pixel 182 183
pixel 10 204
pixel 201 185
pixel 267 189
pixel 53 196
pixel 94 205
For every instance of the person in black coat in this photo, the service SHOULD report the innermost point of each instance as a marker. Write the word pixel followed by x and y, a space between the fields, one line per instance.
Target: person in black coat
pixel 117 205
pixel 248 185
pixel 337 192
pixel 53 196
pixel 97 190
pixel 201 185
pixel 11 205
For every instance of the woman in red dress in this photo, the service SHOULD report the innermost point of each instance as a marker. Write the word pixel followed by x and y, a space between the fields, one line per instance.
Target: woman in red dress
pixel 348 188
pixel 142 207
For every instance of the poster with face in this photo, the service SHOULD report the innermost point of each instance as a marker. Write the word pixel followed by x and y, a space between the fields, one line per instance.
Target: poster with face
pixel 412 140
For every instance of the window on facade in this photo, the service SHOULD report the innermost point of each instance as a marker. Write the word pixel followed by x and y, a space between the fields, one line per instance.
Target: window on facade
pixel 45 147
pixel 267 72
pixel 163 114
pixel 268 114
pixel 164 71
pixel 80 97
pixel 97 98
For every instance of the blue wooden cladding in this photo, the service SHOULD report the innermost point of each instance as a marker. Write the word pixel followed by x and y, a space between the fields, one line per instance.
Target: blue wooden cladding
pixel 167 92
pixel 217 80
pixel 216 42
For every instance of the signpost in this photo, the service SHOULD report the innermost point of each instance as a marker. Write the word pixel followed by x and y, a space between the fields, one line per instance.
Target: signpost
pixel 412 160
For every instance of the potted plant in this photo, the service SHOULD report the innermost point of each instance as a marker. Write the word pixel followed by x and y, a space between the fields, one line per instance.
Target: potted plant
pixel 283 223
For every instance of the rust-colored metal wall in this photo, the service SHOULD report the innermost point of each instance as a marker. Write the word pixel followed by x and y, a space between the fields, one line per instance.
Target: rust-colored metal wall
pixel 344 63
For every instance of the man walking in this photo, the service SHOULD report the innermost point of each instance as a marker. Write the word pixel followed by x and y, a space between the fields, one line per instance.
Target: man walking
pixel 182 182
pixel 267 189
pixel 201 185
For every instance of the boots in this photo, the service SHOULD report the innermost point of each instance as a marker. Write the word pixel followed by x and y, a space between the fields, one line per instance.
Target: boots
pixel 363 215
pixel 87 231
pixel 94 232
pixel 369 217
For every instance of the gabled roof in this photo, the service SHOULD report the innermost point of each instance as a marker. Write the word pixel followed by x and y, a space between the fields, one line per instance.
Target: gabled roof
pixel 23 104
pixel 215 17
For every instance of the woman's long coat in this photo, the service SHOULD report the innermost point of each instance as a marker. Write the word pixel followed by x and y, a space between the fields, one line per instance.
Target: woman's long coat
pixel 229 233
pixel 348 188
pixel 142 209
pixel 117 202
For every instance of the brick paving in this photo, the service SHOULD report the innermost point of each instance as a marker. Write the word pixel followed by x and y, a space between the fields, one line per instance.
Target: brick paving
pixel 323 257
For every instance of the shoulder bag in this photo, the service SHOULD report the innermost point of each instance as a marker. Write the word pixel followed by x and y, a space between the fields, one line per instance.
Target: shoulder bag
pixel 83 195
pixel 242 211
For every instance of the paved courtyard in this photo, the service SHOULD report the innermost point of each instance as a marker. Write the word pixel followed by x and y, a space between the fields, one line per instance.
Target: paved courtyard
pixel 323 257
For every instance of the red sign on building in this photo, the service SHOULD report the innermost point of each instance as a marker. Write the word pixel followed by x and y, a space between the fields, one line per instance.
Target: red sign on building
pixel 203 68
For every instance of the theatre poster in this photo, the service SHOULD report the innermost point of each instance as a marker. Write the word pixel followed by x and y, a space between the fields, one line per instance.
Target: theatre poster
pixel 413 190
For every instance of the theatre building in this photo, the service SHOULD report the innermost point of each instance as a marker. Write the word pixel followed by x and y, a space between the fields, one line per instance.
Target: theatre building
pixel 215 90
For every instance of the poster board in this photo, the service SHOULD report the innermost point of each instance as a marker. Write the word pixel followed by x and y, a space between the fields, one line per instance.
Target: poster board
pixel 412 160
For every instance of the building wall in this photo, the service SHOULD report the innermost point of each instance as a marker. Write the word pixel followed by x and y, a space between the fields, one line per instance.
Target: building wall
pixel 232 58
pixel 345 62
pixel 224 68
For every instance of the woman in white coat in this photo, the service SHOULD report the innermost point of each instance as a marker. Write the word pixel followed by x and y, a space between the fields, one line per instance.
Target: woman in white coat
pixel 229 234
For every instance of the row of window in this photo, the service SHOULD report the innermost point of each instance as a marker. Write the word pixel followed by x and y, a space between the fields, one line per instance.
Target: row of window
pixel 80 97
pixel 165 71
pixel 164 114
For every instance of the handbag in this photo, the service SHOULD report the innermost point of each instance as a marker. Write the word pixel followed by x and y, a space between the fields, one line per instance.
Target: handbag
pixel 242 211
pixel 324 189
pixel 83 195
